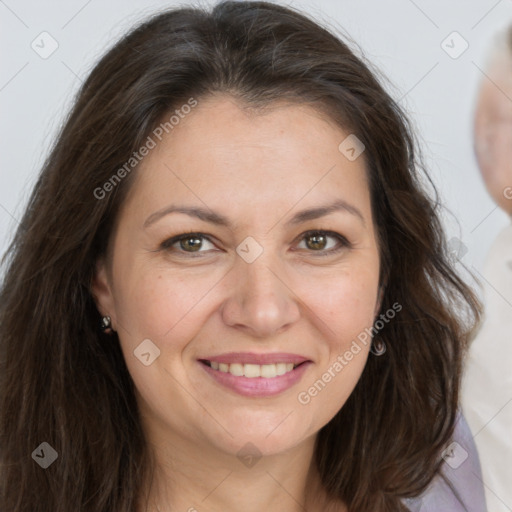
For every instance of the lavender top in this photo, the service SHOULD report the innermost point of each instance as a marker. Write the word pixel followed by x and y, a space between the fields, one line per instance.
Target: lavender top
pixel 461 468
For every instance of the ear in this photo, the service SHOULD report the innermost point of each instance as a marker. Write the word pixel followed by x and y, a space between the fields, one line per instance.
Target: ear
pixel 101 290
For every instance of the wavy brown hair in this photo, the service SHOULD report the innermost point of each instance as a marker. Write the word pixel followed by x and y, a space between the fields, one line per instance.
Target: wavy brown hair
pixel 64 382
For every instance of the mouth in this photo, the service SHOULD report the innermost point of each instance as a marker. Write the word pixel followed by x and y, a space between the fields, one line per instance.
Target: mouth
pixel 251 370
pixel 256 375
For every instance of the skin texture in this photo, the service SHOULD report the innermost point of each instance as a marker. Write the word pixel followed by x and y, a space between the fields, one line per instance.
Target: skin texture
pixel 258 170
pixel 493 132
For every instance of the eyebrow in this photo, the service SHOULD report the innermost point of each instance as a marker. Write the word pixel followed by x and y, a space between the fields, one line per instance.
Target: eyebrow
pixel 321 211
pixel 212 217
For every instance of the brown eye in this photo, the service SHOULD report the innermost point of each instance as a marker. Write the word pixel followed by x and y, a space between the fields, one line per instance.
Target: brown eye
pixel 191 244
pixel 188 243
pixel 323 242
pixel 316 242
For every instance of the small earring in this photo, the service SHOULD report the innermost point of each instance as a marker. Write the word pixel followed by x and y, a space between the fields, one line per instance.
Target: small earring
pixel 106 325
pixel 378 347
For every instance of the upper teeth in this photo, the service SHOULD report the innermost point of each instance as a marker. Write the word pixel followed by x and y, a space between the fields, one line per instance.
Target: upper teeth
pixel 253 370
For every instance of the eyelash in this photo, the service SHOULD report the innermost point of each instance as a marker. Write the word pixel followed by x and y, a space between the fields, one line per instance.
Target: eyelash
pixel 167 245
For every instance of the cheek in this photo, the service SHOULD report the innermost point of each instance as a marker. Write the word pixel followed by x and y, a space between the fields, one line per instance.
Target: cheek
pixel 344 301
pixel 157 305
pixel 155 302
pixel 347 310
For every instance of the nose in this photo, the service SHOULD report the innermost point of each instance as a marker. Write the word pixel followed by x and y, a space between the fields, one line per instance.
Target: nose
pixel 260 303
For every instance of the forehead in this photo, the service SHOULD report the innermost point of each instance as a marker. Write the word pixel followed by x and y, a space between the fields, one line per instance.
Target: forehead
pixel 243 161
pixel 280 136
pixel 220 121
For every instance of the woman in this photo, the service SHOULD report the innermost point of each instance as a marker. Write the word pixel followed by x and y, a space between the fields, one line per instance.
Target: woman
pixel 236 201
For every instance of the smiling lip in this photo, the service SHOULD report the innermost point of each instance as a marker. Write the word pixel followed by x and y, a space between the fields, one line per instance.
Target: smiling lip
pixel 252 358
pixel 257 386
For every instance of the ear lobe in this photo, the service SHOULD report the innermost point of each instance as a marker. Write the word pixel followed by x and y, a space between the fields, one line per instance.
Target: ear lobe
pixel 101 290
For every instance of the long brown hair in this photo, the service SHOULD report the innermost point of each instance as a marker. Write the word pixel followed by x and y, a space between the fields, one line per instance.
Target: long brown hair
pixel 65 383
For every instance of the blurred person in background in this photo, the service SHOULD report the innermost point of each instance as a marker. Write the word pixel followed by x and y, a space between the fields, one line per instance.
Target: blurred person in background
pixel 487 384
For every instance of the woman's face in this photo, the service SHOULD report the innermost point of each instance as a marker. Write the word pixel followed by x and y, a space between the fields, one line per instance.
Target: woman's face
pixel 257 284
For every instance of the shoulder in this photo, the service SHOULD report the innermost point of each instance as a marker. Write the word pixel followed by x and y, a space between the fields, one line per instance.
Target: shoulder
pixel 458 487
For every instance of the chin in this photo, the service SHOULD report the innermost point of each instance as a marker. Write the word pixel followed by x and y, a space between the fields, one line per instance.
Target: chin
pixel 260 438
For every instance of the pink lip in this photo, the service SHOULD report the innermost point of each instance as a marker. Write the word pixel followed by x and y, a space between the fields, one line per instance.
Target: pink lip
pixel 258 386
pixel 252 358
